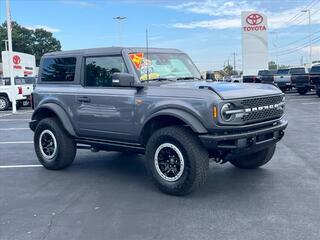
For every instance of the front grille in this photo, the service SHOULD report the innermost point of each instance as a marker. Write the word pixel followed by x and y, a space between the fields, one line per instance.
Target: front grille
pixel 265 114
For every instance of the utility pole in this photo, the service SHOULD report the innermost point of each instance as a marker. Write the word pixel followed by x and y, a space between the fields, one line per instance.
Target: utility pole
pixel 13 95
pixel 310 34
pixel 234 61
pixel 119 20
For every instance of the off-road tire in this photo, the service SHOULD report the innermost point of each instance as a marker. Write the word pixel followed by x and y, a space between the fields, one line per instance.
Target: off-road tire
pixel 302 91
pixel 66 147
pixel 253 160
pixel 196 161
pixel 5 103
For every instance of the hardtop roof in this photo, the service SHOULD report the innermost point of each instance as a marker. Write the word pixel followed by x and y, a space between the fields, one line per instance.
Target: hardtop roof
pixel 110 50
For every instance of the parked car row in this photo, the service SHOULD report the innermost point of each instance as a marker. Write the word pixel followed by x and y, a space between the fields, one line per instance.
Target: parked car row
pixel 301 78
pixel 24 89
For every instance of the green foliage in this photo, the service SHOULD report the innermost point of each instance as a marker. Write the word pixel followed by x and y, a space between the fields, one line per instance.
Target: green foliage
pixel 36 42
pixel 272 65
pixel 229 70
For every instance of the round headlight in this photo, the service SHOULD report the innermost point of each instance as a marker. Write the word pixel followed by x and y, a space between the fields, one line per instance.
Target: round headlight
pixel 224 115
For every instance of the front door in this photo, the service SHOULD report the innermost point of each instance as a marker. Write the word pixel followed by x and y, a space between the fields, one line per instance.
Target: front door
pixel 104 111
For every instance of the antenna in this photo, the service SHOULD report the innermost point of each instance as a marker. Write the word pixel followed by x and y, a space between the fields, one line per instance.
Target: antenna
pixel 147 51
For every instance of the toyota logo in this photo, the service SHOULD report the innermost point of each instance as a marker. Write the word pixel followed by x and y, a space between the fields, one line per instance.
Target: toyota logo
pixel 16 59
pixel 254 19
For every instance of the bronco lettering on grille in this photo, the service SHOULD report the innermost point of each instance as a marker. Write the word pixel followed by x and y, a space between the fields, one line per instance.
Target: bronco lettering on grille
pixel 261 108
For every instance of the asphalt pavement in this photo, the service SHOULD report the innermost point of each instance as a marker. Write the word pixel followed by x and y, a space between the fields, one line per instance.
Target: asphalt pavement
pixel 108 195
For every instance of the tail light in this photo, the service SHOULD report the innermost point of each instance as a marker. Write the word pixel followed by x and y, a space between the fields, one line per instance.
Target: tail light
pixel 19 90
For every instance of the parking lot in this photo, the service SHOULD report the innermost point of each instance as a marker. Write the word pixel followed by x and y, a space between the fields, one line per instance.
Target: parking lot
pixel 108 195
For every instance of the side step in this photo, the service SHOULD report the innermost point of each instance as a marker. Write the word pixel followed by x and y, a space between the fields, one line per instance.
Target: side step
pixel 96 145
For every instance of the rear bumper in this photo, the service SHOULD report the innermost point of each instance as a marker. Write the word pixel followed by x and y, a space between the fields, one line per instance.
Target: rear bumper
pixel 283 84
pixel 250 140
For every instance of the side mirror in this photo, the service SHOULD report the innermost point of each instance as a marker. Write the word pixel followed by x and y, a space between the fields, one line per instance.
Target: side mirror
pixel 122 80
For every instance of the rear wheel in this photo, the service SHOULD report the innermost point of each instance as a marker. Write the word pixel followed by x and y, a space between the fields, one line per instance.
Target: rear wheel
pixel 4 103
pixel 253 160
pixel 176 160
pixel 303 91
pixel 318 93
pixel 54 147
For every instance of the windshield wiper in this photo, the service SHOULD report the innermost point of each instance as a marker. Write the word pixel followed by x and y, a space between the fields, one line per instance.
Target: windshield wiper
pixel 188 78
pixel 160 79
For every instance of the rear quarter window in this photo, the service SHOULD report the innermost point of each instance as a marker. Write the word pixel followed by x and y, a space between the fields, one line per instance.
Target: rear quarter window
pixel 58 69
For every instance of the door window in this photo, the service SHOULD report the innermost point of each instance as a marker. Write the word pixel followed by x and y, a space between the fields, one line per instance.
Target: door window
pixel 99 70
pixel 58 69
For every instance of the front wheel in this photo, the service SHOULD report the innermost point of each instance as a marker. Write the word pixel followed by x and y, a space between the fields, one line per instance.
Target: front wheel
pixel 253 160
pixel 318 92
pixel 176 160
pixel 4 103
pixel 54 147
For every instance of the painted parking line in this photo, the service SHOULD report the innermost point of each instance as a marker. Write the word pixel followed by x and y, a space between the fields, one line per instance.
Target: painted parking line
pixel 14 119
pixel 310 103
pixel 13 129
pixel 17 142
pixel 4 115
pixel 20 166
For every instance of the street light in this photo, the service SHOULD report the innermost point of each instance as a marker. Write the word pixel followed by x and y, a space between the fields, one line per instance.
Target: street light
pixel 119 20
pixel 13 95
pixel 310 35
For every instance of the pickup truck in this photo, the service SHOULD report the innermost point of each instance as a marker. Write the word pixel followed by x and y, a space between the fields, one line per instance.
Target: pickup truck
pixel 154 102
pixel 315 78
pixel 300 79
pixel 27 88
pixel 266 76
pixel 5 94
pixel 282 79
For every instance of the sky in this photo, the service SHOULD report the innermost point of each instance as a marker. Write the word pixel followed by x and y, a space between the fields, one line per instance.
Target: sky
pixel 209 31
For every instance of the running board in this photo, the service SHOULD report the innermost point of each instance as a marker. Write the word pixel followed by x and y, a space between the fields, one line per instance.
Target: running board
pixel 83 143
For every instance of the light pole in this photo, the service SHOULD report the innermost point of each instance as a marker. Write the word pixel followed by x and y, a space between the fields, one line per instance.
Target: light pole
pixel 119 20
pixel 310 35
pixel 13 95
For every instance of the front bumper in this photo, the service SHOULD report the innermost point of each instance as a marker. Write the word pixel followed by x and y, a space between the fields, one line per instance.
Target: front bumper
pixel 249 140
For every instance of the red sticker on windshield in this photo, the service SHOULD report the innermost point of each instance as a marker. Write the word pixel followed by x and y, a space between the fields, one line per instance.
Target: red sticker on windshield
pixel 136 59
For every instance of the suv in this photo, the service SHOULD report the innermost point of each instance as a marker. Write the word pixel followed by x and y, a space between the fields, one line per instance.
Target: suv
pixel 154 102
pixel 6 96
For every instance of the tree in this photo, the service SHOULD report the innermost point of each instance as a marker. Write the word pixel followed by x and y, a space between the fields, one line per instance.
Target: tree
pixel 36 42
pixel 229 70
pixel 272 65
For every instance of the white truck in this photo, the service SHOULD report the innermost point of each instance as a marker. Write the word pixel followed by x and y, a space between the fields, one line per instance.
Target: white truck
pixel 22 93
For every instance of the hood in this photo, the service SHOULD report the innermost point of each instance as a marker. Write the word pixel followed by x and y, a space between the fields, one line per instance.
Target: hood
pixel 230 90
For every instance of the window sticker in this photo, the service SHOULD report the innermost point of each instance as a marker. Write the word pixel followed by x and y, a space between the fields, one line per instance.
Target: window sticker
pixel 136 59
pixel 151 76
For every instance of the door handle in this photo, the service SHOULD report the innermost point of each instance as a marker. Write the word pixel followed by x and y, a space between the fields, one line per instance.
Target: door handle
pixel 84 99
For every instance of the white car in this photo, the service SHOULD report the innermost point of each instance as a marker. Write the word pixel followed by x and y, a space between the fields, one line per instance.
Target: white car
pixel 5 94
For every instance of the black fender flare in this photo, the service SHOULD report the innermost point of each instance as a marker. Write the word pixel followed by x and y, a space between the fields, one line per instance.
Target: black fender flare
pixel 59 112
pixel 184 116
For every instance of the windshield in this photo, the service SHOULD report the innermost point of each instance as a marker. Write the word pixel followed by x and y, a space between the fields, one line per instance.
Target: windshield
pixel 171 66
pixel 315 69
pixel 283 71
pixel 297 71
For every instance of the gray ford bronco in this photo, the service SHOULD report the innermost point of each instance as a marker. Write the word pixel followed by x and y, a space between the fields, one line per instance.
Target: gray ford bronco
pixel 153 102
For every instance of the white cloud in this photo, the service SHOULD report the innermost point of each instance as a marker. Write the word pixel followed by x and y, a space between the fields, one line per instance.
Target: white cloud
pixel 215 8
pixel 49 29
pixel 210 24
pixel 227 15
pixel 78 3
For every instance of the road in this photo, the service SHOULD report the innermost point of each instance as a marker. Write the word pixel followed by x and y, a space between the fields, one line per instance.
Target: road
pixel 108 195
